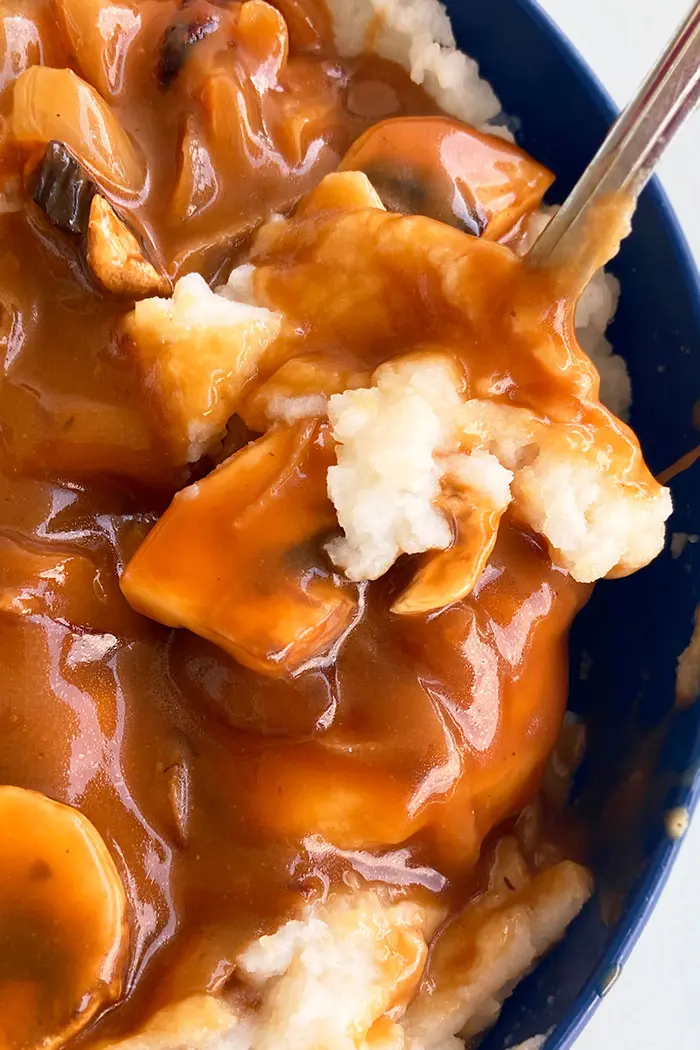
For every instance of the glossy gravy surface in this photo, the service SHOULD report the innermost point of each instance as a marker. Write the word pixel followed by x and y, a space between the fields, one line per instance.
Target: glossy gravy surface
pixel 216 789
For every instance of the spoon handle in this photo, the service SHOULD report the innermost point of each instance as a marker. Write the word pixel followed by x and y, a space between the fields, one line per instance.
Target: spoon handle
pixel 632 148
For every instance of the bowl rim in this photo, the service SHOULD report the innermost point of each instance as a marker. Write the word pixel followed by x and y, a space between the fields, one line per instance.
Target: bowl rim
pixel 646 893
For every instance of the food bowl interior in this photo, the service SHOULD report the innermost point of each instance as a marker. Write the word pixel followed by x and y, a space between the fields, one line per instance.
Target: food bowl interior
pixel 643 753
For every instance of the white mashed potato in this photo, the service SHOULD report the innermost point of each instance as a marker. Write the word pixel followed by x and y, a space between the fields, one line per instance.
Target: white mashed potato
pixel 480 472
pixel 596 309
pixel 386 487
pixel 593 523
pixel 417 35
pixel 350 974
pixel 387 481
pixel 331 976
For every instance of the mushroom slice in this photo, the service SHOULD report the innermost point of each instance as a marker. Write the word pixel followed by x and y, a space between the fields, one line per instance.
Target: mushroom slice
pixel 115 256
pixel 480 493
pixel 62 190
pixel 27 38
pixel 100 35
pixel 62 922
pixel 197 185
pixel 237 558
pixel 179 38
pixel 309 24
pixel 56 105
pixel 448 171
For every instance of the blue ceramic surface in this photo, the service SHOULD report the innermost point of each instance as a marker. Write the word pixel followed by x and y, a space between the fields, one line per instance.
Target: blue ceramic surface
pixel 643 756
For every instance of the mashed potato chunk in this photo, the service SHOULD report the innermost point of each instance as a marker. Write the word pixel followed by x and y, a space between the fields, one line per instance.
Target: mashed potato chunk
pixel 353 972
pixel 331 980
pixel 566 487
pixel 417 35
pixel 197 350
pixel 387 480
pixel 419 469
pixel 595 524
pixel 594 312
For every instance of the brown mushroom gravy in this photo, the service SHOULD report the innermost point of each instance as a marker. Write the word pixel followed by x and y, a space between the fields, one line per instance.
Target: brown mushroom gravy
pixel 214 785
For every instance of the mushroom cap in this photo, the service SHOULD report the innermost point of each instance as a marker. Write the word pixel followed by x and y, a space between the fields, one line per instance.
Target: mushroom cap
pixel 63 928
pixel 441 168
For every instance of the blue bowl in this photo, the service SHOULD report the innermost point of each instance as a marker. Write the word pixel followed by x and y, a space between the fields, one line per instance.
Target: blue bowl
pixel 644 756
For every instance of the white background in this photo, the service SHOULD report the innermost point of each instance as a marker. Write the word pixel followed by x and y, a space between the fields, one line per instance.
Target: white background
pixel 655 1004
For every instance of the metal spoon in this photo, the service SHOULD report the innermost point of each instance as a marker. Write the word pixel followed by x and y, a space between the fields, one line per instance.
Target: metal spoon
pixel 632 149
